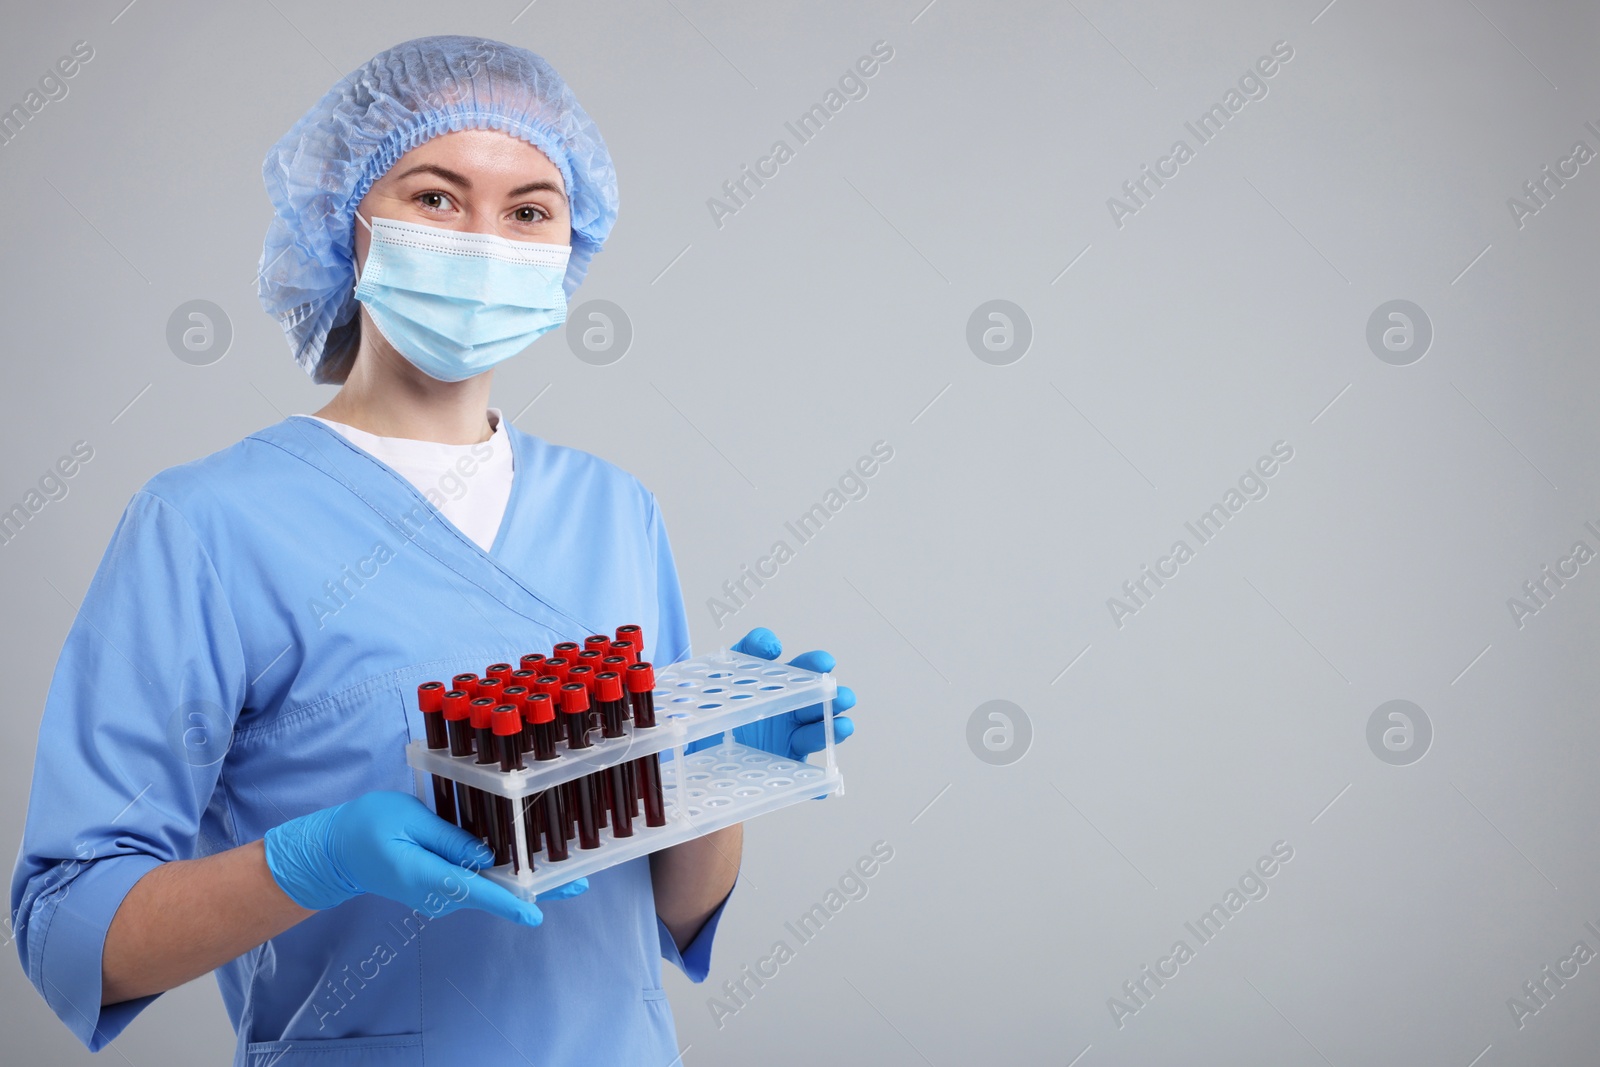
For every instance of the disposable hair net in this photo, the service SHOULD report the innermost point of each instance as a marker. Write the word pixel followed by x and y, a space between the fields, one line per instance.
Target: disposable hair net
pixel 319 171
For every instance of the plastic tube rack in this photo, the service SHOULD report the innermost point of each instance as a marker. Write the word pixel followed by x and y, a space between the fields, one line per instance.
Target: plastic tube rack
pixel 704 791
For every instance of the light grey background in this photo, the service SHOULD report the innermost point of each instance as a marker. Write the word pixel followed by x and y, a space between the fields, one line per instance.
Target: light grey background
pixel 831 312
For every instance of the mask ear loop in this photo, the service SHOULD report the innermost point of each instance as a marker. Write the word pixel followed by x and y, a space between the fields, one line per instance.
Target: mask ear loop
pixel 357 266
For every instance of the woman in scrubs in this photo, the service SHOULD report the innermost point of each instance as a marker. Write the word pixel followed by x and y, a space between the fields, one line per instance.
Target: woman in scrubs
pixel 221 782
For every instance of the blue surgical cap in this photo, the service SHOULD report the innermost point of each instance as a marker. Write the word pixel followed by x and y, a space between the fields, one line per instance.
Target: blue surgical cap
pixel 319 171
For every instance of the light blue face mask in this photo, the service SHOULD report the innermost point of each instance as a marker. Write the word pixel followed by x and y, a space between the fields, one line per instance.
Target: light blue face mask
pixel 454 303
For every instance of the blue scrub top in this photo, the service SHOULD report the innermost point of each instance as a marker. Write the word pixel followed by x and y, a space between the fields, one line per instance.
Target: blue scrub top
pixel 249 651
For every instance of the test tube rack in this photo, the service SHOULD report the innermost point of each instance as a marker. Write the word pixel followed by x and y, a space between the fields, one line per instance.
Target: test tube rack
pixel 703 791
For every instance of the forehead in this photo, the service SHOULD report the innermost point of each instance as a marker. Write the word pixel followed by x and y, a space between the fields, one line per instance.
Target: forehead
pixel 486 155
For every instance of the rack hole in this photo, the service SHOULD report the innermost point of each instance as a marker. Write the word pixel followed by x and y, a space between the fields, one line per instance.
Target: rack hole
pixel 704 707
pixel 773 783
pixel 771 688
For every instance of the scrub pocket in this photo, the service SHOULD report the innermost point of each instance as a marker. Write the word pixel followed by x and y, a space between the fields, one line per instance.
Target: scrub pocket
pixel 397 1050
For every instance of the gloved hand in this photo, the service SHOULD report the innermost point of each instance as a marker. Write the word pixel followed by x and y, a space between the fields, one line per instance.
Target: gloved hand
pixel 793 734
pixel 390 844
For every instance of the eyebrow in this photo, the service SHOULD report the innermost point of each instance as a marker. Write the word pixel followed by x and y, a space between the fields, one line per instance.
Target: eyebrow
pixel 462 180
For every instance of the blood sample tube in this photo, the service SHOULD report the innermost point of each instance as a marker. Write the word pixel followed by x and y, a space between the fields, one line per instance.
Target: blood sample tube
pixel 567 649
pixel 591 657
pixel 617 665
pixel 552 814
pixel 483 733
pixel 556 665
pixel 550 686
pixel 507 725
pixel 430 700
pixel 584 673
pixel 641 683
pixel 575 708
pixel 467 683
pixel 599 641
pixel 619 798
pixel 499 670
pixel 516 696
pixel 624 649
pixel 457 721
pixel 530 702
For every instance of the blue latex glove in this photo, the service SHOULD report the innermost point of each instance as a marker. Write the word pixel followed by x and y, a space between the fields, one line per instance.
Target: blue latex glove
pixel 391 844
pixel 793 734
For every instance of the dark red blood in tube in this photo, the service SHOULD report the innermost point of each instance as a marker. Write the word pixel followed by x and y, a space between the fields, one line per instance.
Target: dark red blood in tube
pixel 507 727
pixel 430 699
pixel 457 721
pixel 482 709
pixel 516 695
pixel 624 649
pixel 588 812
pixel 551 818
pixel 575 709
pixel 641 681
pixel 467 683
pixel 567 649
pixel 618 795
pixel 499 670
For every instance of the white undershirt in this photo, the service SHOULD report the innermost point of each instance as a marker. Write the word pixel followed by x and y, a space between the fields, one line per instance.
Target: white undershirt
pixel 469 484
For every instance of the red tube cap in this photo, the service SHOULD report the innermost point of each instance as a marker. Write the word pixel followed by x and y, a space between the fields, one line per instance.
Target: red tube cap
pixel 608 685
pixel 507 720
pixel 498 670
pixel 558 666
pixel 591 656
pixel 582 673
pixel 633 634
pixel 626 650
pixel 532 660
pixel 457 705
pixel 482 712
pixel 430 696
pixel 567 649
pixel 549 685
pixel 641 678
pixel 574 698
pixel 540 709
pixel 596 641
pixel 467 683
pixel 490 687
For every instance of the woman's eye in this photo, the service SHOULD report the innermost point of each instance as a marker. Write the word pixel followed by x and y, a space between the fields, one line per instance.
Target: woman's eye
pixel 434 201
pixel 528 213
